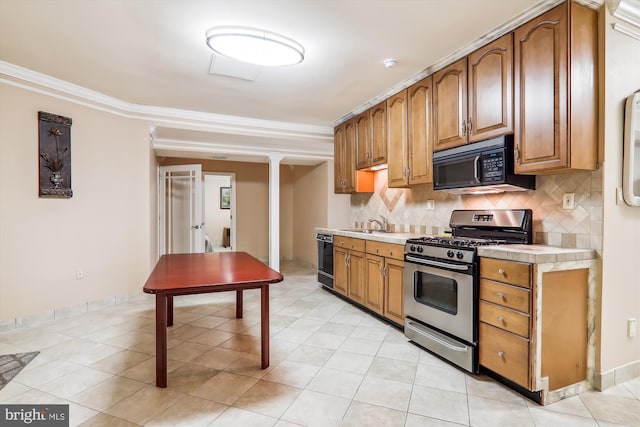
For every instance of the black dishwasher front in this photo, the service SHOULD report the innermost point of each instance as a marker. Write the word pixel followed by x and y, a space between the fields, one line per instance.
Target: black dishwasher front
pixel 325 259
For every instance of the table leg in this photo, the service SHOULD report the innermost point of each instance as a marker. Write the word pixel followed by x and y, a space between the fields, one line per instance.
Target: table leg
pixel 264 323
pixel 239 304
pixel 169 311
pixel 161 340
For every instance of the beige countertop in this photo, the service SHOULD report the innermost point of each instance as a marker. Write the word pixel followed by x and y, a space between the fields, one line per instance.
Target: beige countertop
pixel 378 236
pixel 536 254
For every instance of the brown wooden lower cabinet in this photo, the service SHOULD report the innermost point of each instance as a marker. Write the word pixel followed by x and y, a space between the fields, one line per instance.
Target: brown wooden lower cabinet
pixel 371 274
pixel 349 268
pixel 504 353
pixel 356 289
pixel 533 323
pixel 394 291
pixel 375 283
pixel 340 272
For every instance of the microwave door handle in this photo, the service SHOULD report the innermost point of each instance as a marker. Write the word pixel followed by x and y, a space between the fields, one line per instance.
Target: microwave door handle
pixel 476 169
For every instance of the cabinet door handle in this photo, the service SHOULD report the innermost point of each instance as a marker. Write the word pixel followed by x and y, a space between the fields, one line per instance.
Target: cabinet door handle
pixel 470 126
pixel 463 129
pixel 517 153
pixel 501 354
pixel 500 295
pixel 501 271
pixel 501 319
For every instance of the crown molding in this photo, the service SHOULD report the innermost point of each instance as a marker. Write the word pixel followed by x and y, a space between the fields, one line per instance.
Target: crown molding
pixel 492 35
pixel 593 4
pixel 261 153
pixel 160 116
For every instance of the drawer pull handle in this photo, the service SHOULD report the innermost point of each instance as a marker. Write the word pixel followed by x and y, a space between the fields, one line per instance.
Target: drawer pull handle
pixel 501 271
pixel 500 295
pixel 500 319
pixel 501 354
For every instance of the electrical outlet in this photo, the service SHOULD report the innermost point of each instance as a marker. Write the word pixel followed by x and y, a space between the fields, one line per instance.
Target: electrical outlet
pixel 631 328
pixel 568 201
pixel 79 275
pixel 431 205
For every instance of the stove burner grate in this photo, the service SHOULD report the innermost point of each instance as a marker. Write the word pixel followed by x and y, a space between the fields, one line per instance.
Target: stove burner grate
pixel 455 241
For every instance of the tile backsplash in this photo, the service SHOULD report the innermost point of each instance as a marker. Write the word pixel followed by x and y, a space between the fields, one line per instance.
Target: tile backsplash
pixel 410 209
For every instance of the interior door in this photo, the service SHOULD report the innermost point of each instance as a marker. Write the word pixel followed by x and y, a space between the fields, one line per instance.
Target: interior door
pixel 181 225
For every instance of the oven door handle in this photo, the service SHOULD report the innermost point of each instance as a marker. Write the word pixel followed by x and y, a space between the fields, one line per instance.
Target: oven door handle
pixel 437 263
pixel 450 346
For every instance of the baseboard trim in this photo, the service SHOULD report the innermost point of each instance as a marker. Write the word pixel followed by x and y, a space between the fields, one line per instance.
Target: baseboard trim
pixel 616 376
pixel 46 316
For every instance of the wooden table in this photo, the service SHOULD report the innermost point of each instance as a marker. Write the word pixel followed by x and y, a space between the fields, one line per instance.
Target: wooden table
pixel 186 274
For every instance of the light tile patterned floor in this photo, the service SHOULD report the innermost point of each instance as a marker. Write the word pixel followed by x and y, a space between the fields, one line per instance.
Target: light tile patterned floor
pixel 331 365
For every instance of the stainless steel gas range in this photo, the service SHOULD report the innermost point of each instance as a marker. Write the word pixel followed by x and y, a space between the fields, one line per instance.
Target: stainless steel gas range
pixel 441 281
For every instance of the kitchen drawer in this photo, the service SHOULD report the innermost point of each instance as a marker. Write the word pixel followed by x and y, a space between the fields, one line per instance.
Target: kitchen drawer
pixel 504 318
pixel 509 296
pixel 505 354
pixel 349 243
pixel 515 273
pixel 388 250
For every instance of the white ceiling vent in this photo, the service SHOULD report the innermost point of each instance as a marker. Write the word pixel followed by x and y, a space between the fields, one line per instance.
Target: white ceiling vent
pixel 223 66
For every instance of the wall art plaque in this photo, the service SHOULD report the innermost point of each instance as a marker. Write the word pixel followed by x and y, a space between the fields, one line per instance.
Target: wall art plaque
pixel 54 154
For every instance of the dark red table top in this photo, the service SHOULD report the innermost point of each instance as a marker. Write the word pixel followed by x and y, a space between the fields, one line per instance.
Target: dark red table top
pixel 180 274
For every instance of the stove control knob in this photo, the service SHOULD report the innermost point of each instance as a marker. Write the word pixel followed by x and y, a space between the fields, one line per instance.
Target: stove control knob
pixel 420 249
pixel 459 255
pixel 450 253
pixel 412 248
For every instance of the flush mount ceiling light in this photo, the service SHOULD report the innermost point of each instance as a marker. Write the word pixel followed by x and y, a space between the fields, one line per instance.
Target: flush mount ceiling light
pixel 255 46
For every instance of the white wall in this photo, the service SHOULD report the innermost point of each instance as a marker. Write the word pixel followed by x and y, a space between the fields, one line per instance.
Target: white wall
pixel 215 218
pixel 103 230
pixel 338 205
pixel 621 242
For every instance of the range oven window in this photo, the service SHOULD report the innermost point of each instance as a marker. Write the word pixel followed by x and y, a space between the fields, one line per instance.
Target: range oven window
pixel 436 291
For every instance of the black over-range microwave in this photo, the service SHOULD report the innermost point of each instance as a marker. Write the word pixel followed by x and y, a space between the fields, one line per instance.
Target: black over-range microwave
pixel 479 167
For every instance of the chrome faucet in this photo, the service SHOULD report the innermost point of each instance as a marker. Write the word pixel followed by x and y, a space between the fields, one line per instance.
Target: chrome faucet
pixel 384 224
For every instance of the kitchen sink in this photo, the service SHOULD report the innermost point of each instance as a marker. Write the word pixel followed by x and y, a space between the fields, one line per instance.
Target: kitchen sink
pixel 372 230
pixel 362 230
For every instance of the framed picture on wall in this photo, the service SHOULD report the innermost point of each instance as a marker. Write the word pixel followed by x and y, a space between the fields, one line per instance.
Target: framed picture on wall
pixel 225 197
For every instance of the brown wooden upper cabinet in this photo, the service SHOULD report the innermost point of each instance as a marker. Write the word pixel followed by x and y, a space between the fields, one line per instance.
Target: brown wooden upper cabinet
pixel 473 97
pixel 397 175
pixel 410 135
pixel 346 178
pixel 371 137
pixel 344 162
pixel 420 125
pixel 556 121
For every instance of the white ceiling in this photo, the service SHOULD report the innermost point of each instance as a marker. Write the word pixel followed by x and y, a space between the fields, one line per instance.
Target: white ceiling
pixel 153 53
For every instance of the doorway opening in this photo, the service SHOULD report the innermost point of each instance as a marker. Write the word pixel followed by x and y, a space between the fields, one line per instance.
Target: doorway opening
pixel 219 211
